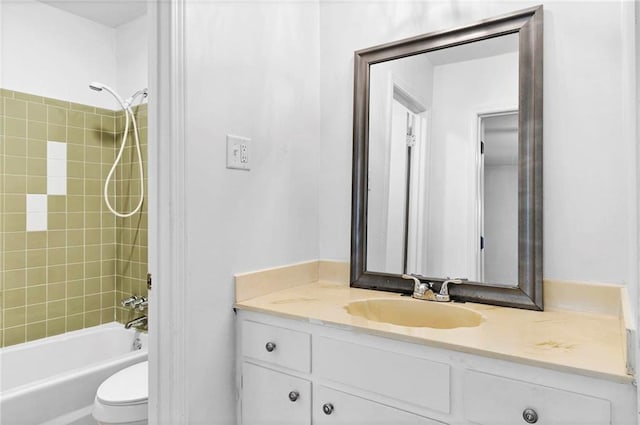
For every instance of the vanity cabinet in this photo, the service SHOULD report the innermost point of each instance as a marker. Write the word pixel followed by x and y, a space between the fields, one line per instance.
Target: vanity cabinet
pixel 296 372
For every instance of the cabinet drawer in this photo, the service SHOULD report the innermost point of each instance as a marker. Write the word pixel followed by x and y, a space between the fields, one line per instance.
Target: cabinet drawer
pixel 493 400
pixel 332 407
pixel 279 346
pixel 396 375
pixel 270 397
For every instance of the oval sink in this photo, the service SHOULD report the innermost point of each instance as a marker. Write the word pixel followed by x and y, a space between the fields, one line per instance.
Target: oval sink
pixel 415 313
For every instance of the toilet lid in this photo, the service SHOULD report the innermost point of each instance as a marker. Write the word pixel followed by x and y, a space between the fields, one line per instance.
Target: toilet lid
pixel 128 386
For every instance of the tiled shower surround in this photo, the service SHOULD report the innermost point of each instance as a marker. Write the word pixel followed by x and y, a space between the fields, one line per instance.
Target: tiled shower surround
pixel 131 232
pixel 66 260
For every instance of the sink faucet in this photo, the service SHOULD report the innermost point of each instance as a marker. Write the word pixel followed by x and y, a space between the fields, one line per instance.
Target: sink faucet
pixel 424 290
pixel 139 321
pixel 421 290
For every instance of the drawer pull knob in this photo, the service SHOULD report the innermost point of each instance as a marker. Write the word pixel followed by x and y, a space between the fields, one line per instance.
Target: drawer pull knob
pixel 294 395
pixel 327 408
pixel 530 416
pixel 270 346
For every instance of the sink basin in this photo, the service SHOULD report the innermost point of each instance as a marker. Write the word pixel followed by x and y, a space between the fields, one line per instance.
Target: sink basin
pixel 415 313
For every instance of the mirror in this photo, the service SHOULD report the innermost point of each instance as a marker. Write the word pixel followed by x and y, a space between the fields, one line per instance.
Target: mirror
pixel 447 176
pixel 442 173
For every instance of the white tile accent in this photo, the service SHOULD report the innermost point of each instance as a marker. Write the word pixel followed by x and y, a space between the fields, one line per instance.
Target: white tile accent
pixel 56 168
pixel 36 203
pixel 36 212
pixel 36 221
pixel 56 185
pixel 56 150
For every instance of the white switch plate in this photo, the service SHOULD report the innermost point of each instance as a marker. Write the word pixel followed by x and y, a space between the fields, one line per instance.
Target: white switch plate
pixel 238 152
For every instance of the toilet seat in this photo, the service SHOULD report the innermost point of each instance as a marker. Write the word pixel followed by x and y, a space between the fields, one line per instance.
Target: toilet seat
pixel 122 398
pixel 128 386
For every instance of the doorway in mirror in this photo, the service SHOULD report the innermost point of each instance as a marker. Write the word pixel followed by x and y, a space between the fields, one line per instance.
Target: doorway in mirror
pixel 396 196
pixel 498 197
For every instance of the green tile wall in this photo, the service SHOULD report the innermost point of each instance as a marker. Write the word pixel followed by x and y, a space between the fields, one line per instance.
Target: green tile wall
pixel 131 232
pixel 74 274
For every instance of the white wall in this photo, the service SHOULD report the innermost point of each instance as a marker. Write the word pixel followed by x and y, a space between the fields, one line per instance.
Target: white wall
pixel 589 152
pixel 132 70
pixel 50 52
pixel 252 70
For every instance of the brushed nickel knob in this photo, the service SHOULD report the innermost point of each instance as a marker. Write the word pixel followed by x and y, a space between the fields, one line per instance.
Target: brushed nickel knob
pixel 327 408
pixel 294 395
pixel 530 416
pixel 270 346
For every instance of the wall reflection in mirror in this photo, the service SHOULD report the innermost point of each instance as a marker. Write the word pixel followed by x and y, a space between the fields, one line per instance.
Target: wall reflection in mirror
pixel 442 195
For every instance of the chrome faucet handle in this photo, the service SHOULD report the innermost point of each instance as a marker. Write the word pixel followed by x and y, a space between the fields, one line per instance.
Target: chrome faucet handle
pixel 140 303
pixel 421 290
pixel 444 289
pixel 416 282
pixel 410 276
pixel 128 302
pixel 144 304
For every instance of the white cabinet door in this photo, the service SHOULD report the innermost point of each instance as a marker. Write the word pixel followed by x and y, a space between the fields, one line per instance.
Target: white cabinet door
pixel 332 407
pixel 274 398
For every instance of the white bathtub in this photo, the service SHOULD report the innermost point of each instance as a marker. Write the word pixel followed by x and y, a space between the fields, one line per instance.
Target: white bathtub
pixel 54 380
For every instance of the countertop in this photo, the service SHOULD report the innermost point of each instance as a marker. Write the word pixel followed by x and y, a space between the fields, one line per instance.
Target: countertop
pixel 590 344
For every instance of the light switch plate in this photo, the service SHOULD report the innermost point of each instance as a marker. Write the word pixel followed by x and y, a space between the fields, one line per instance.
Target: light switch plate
pixel 238 152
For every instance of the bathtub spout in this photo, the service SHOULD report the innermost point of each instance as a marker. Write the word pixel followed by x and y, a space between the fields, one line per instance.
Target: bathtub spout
pixel 139 321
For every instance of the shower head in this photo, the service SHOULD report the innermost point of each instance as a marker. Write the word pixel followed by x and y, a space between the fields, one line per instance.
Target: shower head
pixel 96 86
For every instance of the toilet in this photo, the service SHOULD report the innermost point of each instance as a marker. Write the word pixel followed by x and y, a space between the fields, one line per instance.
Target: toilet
pixel 123 397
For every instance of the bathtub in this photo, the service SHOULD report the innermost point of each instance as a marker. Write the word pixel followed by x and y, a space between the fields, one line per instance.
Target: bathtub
pixel 54 380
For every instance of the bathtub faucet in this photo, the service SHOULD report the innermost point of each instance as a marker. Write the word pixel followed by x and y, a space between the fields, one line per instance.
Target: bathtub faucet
pixel 139 321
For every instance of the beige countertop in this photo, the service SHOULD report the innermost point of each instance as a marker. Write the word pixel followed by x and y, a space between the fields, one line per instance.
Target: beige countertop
pixel 587 343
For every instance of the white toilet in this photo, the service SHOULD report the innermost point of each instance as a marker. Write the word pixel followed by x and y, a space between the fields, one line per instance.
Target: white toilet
pixel 123 397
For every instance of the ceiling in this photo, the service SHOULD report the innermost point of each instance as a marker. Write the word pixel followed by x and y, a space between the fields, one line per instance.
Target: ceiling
pixel 112 13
